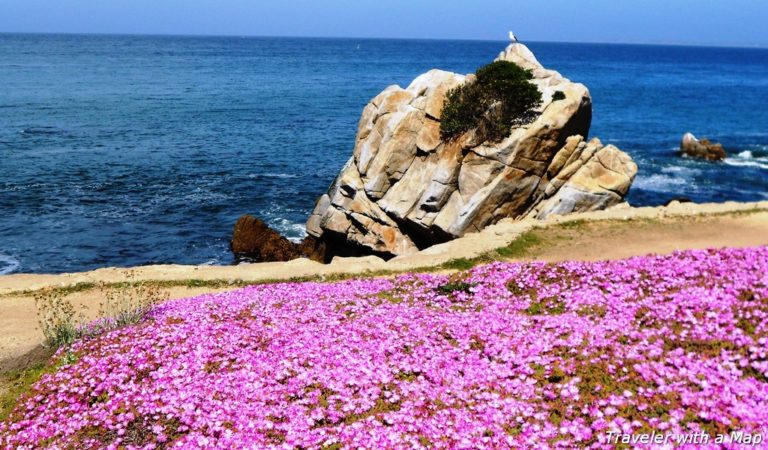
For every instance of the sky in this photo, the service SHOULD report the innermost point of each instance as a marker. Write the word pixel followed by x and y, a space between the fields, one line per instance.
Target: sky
pixel 703 22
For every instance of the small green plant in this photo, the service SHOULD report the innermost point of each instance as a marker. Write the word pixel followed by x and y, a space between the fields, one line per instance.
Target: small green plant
pixel 58 319
pixel 122 304
pixel 558 95
pixel 129 302
pixel 451 288
pixel 500 97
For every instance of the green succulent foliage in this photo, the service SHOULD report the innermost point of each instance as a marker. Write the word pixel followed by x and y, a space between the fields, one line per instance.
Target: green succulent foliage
pixel 501 96
pixel 558 95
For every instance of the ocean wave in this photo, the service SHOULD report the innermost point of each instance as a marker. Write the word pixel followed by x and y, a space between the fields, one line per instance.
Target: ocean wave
pixel 758 153
pixel 40 131
pixel 744 163
pixel 681 171
pixel 661 183
pixel 293 231
pixel 203 195
pixel 8 264
pixel 272 175
pixel 748 158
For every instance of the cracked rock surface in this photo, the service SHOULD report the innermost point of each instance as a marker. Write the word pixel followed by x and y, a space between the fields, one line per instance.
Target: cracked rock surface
pixel 404 189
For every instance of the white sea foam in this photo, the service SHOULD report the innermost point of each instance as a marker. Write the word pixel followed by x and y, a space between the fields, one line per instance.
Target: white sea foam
pixel 272 175
pixel 742 163
pixel 747 158
pixel 681 171
pixel 661 183
pixel 8 264
pixel 293 231
pixel 746 154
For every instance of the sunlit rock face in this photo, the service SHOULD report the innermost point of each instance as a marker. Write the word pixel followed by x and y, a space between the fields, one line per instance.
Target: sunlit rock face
pixel 405 189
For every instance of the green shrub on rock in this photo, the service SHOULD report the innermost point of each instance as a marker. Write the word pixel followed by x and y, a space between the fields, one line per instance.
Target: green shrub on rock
pixel 500 97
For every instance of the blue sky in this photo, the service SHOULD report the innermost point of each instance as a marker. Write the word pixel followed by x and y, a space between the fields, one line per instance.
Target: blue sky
pixel 723 22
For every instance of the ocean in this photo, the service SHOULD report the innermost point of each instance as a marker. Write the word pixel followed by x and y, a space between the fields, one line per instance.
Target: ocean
pixel 133 150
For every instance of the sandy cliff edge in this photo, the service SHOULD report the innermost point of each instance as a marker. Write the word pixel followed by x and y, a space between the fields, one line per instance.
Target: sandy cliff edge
pixel 611 234
pixel 468 246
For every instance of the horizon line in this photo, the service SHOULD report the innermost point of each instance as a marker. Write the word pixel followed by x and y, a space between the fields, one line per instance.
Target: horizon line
pixel 544 41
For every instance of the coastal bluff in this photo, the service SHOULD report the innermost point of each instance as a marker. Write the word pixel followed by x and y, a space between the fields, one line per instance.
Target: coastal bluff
pixel 405 189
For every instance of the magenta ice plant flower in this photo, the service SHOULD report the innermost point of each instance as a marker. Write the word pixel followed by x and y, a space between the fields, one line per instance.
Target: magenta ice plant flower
pixel 504 356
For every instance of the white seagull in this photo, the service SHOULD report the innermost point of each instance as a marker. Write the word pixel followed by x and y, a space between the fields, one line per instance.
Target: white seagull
pixel 512 37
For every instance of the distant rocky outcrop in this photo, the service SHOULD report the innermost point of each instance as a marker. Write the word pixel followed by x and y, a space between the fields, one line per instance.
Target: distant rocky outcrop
pixel 405 189
pixel 702 149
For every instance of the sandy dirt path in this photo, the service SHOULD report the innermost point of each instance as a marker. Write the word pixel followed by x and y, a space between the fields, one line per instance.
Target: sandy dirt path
pixel 594 241
pixel 20 335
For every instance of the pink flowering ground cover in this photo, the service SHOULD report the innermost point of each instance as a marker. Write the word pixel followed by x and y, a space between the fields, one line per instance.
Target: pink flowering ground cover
pixel 503 356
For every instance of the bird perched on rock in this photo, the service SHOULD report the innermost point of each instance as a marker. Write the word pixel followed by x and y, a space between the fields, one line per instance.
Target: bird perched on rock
pixel 512 37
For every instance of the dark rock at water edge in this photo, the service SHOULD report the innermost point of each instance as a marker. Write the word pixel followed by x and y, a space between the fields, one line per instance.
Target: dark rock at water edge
pixel 254 241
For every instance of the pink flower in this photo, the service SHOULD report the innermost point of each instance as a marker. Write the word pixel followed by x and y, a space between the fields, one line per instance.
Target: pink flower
pixel 529 353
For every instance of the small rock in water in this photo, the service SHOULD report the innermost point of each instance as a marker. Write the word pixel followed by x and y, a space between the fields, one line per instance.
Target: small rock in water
pixel 253 240
pixel 702 149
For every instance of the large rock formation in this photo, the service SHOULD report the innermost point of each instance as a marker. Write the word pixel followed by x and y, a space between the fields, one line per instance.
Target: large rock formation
pixel 702 149
pixel 405 189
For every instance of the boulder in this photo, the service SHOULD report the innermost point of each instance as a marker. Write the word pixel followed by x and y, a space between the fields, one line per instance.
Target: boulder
pixel 592 177
pixel 702 149
pixel 253 240
pixel 404 189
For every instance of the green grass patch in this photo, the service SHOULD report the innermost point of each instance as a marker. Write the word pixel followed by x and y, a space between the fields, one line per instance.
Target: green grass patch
pixel 573 224
pixel 15 383
pixel 551 306
pixel 459 264
pixel 63 290
pixel 521 246
pixel 196 283
pixel 740 213
pixel 189 283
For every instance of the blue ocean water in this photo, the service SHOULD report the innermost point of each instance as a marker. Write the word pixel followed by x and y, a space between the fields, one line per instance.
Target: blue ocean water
pixel 131 150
